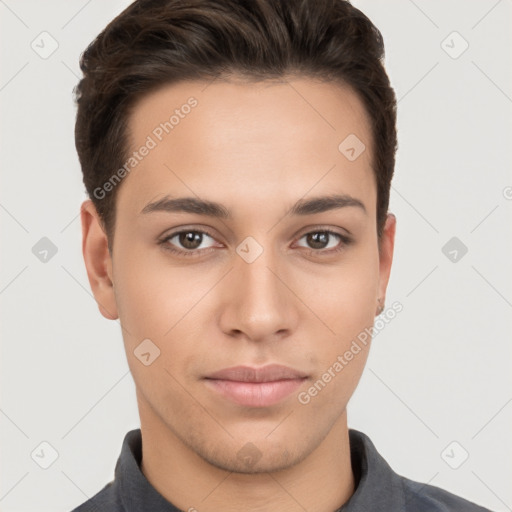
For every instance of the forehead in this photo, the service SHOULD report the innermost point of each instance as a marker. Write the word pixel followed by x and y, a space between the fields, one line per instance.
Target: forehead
pixel 244 138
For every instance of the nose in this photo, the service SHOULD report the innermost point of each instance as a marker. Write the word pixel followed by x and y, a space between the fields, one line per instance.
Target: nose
pixel 258 302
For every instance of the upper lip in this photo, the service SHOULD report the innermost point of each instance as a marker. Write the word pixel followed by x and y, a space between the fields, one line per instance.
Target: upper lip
pixel 269 373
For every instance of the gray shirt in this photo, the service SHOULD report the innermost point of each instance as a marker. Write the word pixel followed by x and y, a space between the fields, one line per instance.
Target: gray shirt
pixel 378 487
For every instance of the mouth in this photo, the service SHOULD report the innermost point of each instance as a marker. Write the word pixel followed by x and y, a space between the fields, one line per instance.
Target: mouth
pixel 256 387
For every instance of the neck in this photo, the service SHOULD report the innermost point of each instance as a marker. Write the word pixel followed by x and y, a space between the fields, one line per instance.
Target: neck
pixel 321 482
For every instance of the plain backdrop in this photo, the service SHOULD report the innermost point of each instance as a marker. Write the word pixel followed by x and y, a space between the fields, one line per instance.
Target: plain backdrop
pixel 437 386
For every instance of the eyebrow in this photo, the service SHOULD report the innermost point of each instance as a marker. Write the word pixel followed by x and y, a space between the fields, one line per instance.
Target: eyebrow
pixel 217 210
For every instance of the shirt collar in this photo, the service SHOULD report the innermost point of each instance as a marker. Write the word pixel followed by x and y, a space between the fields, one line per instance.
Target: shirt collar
pixel 377 485
pixel 133 489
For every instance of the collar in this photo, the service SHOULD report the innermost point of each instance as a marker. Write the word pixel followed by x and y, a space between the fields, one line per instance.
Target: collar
pixel 378 487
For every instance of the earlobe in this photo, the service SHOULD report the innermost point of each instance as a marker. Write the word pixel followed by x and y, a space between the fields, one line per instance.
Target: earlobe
pixel 386 248
pixel 97 260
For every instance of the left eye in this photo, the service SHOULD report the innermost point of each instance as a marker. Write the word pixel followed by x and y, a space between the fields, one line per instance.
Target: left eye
pixel 319 239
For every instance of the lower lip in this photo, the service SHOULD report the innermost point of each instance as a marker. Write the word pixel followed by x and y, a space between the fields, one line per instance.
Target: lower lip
pixel 255 394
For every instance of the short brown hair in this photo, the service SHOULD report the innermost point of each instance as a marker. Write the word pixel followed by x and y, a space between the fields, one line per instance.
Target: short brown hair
pixel 157 42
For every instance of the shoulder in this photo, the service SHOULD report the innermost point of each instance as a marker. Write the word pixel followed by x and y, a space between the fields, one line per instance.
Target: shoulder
pixel 381 488
pixel 103 501
pixel 419 497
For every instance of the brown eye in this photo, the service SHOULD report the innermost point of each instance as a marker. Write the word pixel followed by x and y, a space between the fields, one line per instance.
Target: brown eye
pixel 190 239
pixel 320 240
pixel 186 242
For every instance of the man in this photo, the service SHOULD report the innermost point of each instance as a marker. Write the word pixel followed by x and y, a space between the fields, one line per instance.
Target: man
pixel 238 156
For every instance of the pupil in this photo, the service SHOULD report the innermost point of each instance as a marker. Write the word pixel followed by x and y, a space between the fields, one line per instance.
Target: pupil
pixel 190 240
pixel 318 240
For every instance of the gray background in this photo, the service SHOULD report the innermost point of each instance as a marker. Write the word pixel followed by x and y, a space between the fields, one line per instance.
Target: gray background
pixel 438 373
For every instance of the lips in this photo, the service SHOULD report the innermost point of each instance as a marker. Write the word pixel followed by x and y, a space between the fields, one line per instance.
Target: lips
pixel 255 387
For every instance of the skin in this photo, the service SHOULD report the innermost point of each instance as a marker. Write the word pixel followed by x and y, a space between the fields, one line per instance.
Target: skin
pixel 244 145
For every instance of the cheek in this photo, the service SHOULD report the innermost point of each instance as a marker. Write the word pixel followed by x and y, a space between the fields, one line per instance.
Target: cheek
pixel 345 299
pixel 346 304
pixel 150 295
pixel 331 388
pixel 159 302
pixel 144 312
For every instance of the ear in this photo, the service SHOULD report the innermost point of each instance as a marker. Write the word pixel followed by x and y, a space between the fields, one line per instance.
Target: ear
pixel 386 246
pixel 98 261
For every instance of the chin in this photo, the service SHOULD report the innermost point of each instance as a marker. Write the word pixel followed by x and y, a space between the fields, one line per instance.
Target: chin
pixel 251 459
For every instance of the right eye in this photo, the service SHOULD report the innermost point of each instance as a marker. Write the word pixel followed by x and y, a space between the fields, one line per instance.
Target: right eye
pixel 189 239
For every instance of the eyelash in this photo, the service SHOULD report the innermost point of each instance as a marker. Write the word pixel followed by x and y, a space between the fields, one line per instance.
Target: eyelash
pixel 345 241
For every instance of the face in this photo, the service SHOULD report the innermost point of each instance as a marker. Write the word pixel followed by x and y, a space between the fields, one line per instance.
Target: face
pixel 272 275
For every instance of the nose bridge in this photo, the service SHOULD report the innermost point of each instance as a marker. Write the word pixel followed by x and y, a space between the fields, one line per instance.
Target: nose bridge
pixel 260 304
pixel 259 277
